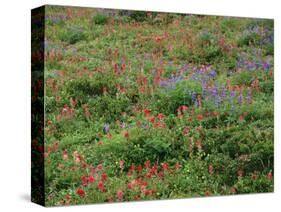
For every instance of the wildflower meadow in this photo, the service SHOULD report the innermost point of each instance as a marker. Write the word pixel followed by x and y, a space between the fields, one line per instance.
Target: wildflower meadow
pixel 149 105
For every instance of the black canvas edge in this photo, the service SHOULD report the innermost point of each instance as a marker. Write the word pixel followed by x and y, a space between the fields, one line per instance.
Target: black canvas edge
pixel 37 105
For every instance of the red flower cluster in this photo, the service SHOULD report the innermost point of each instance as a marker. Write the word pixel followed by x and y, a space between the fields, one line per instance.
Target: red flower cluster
pixel 89 179
pixel 80 192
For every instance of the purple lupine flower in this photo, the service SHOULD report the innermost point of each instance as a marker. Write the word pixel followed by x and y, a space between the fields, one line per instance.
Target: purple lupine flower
pixel 106 128
pixel 232 108
pixel 170 63
pixel 215 91
pixel 146 56
pixel 222 92
pixel 249 97
pixel 130 125
pixel 194 97
pixel 231 97
pixel 217 101
pixel 162 83
pixel 185 67
pixel 266 66
pixel 213 74
pixel 123 125
pixel 173 81
pixel 240 99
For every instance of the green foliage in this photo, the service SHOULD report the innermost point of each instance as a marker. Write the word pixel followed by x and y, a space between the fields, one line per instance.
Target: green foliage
pixel 211 53
pixel 100 19
pixel 113 107
pixel 94 86
pixel 206 39
pixel 249 38
pixel 243 78
pixel 170 99
pixel 138 16
pixel 72 35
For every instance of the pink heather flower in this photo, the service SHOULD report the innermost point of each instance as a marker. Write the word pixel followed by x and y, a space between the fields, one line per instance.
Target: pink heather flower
pixel 178 166
pixel 233 190
pixel 121 164
pixel 120 195
pixel 65 156
pixel 179 110
pixel 130 173
pixel 78 160
pixel 160 116
pixel 185 130
pixel 210 169
pixel 133 167
pixel 254 175
pixel 56 145
pixel 91 168
pixel 134 183
pixel 147 164
pixel 109 199
pixel 129 185
pixel 148 175
pixel 240 173
pixel 184 108
pixel 99 167
pixel 149 192
pixel 84 180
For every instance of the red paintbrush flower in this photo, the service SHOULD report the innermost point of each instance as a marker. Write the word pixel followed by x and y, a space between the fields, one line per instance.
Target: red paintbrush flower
pixel 91 179
pixel 148 175
pixel 101 186
pixel 146 112
pixel 139 168
pixel 165 166
pixel 80 192
pixel 199 144
pixel 157 125
pixel 152 119
pixel 269 176
pixel 103 177
pixel 126 134
pixel 254 175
